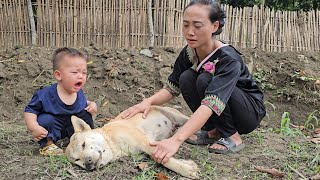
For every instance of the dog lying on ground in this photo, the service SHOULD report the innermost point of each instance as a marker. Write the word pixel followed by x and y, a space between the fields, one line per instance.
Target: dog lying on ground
pixel 94 148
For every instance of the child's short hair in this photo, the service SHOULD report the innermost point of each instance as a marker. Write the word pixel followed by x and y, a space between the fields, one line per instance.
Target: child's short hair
pixel 65 51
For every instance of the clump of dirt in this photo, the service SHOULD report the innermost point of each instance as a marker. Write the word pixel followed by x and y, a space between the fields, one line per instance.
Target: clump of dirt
pixel 119 78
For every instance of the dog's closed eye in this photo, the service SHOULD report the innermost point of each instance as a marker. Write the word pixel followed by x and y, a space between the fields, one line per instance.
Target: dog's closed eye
pixel 76 160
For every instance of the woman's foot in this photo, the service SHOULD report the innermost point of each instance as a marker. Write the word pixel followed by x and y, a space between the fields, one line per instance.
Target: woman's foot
pixel 211 134
pixel 226 145
pixel 203 137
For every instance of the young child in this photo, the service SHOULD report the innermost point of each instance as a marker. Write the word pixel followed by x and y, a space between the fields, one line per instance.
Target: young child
pixel 48 114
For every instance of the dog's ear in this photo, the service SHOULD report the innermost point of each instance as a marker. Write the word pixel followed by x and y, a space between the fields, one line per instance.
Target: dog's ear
pixel 79 125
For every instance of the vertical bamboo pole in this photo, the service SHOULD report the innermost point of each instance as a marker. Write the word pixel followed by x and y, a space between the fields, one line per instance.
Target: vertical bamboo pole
pixel 51 19
pixel 8 24
pixel 313 33
pixel 75 22
pixel 165 30
pixel 317 22
pixel 1 26
pixel 85 21
pixel 103 21
pixel 252 27
pixel 14 26
pixel 4 25
pixel 120 22
pixel 298 32
pixel 94 20
pixel 18 20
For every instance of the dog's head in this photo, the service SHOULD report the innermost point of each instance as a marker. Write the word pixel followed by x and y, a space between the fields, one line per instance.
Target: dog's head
pixel 87 148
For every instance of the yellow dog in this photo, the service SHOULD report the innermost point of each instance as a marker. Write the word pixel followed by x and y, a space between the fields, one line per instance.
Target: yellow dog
pixel 94 148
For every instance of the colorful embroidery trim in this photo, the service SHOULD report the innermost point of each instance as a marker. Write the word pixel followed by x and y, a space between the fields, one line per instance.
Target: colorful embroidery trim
pixel 214 103
pixel 191 55
pixel 173 89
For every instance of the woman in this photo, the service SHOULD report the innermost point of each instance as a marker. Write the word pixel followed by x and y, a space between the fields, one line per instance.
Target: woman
pixel 214 82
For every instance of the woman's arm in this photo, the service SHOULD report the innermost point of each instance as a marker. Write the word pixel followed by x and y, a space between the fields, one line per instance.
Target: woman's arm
pixel 158 98
pixel 161 97
pixel 196 122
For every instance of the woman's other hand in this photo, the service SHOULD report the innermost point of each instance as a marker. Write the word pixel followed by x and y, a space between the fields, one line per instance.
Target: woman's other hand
pixel 143 107
pixel 165 149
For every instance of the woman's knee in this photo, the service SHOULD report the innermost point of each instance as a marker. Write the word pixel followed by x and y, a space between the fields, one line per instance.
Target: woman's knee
pixel 187 77
pixel 203 81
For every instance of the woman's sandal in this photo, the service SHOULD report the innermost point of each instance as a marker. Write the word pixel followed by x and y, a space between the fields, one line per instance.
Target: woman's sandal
pixel 230 145
pixel 50 150
pixel 202 139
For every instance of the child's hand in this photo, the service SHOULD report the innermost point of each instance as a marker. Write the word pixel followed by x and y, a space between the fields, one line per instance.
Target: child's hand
pixel 39 133
pixel 92 108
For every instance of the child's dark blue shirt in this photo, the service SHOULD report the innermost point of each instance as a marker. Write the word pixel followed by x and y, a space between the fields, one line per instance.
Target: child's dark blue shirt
pixel 48 101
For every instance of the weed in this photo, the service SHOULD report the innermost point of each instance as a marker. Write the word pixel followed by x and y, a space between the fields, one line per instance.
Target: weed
pixel 315 164
pixel 258 135
pixel 302 76
pixel 294 147
pixel 312 121
pixel 57 162
pixel 18 46
pixel 285 128
pixel 146 174
pixel 260 77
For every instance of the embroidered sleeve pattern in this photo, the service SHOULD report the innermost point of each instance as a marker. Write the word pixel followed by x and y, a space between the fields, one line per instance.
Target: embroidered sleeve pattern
pixel 214 103
pixel 173 89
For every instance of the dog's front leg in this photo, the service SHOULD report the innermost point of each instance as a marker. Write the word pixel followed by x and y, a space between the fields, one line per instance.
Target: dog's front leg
pixel 186 168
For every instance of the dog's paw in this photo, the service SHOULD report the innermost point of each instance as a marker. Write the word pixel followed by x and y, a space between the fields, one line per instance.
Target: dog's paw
pixel 190 168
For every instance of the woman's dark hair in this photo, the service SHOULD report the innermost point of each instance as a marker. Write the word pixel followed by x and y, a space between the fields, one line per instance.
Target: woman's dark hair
pixel 216 13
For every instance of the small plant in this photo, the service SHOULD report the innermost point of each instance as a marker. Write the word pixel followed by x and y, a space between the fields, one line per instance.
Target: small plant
pixel 146 174
pixel 56 162
pixel 312 121
pixel 19 46
pixel 285 127
pixel 260 77
pixel 315 163
pixel 302 76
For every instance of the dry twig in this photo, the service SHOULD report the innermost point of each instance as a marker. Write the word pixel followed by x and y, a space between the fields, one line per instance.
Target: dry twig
pixel 273 171
pixel 296 171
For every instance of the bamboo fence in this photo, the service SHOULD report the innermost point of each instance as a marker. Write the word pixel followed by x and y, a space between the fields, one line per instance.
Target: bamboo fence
pixel 14 23
pixel 124 23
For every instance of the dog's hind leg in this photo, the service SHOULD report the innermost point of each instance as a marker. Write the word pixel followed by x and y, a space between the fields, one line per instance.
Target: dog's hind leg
pixel 175 116
pixel 186 168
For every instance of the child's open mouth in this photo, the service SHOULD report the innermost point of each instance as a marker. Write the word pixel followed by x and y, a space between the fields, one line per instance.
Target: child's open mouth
pixel 78 85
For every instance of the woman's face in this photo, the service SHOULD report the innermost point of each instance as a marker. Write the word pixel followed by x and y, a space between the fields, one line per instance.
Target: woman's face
pixel 197 27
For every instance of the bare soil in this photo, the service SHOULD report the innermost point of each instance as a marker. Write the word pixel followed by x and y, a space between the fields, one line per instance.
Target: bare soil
pixel 120 78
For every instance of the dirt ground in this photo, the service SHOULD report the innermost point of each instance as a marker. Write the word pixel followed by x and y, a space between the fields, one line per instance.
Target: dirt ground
pixel 120 78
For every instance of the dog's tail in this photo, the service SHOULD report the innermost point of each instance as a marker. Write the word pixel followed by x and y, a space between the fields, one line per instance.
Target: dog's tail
pixel 174 115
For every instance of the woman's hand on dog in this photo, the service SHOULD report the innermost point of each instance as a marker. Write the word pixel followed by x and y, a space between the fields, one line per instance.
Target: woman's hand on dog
pixel 39 133
pixel 164 149
pixel 143 107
